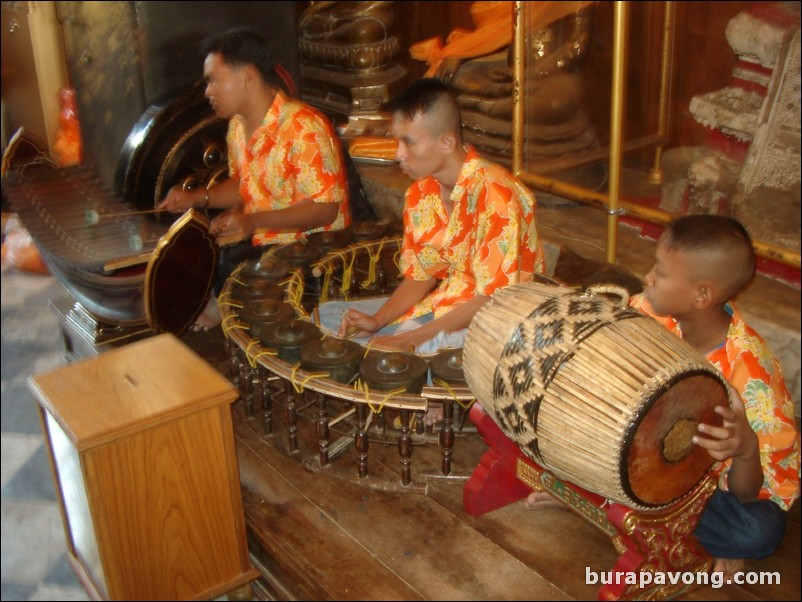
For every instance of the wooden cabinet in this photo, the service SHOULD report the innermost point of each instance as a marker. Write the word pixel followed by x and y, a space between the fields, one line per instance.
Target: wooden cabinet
pixel 142 448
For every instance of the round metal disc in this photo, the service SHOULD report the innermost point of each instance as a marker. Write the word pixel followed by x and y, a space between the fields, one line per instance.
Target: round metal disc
pixel 390 370
pixel 339 357
pixel 447 366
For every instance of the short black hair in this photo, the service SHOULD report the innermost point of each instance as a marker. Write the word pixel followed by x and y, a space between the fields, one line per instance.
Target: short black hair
pixel 422 96
pixel 242 46
pixel 707 231
pixel 718 233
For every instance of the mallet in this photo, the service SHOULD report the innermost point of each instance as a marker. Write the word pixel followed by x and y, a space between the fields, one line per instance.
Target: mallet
pixel 93 217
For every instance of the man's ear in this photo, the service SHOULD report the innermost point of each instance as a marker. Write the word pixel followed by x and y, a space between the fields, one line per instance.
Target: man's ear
pixel 448 142
pixel 249 75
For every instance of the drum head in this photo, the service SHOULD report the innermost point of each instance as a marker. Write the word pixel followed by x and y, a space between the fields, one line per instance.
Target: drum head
pixel 662 462
pixel 180 274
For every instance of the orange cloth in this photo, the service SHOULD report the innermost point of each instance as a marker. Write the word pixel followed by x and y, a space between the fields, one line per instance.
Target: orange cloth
pixel 293 155
pixel 488 241
pixel 19 250
pixel 373 148
pixel 494 31
pixel 68 146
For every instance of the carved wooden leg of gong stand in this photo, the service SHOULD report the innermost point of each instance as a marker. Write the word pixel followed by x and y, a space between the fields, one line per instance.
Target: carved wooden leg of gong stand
pixel 447 435
pixel 323 429
pixel 272 390
pixel 405 448
pixel 361 439
pixel 257 387
pixel 246 386
pixel 291 415
pixel 233 364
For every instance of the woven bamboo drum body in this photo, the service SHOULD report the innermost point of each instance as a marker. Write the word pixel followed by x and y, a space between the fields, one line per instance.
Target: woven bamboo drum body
pixel 597 393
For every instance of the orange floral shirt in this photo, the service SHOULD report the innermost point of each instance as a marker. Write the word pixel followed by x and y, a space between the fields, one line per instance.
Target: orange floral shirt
pixel 748 364
pixel 489 240
pixel 293 155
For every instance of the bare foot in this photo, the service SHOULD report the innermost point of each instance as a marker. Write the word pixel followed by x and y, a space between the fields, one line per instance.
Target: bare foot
pixel 540 499
pixel 434 414
pixel 728 566
pixel 209 318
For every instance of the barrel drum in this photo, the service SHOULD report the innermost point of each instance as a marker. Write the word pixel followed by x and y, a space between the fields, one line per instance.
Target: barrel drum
pixel 594 391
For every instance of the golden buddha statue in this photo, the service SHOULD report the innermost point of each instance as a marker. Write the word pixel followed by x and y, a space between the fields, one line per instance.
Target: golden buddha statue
pixel 350 36
pixel 478 65
pixel 348 54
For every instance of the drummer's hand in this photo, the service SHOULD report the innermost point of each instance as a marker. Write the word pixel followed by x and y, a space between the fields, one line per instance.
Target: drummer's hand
pixel 178 200
pixel 231 225
pixel 357 323
pixel 734 438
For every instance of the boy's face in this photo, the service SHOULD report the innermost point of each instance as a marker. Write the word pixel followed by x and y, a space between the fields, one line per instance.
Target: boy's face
pixel 670 287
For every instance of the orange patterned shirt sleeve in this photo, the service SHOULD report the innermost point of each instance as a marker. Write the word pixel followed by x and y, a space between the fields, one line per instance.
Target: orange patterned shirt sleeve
pixel 490 240
pixel 749 365
pixel 292 156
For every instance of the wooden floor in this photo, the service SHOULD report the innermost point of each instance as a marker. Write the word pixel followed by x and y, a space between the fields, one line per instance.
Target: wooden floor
pixel 325 534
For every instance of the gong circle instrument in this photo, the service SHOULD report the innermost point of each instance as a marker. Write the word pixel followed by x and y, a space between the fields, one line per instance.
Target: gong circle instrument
pixel 601 395
pixel 333 388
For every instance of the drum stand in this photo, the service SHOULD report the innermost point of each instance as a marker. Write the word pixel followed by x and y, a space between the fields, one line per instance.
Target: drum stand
pixel 659 541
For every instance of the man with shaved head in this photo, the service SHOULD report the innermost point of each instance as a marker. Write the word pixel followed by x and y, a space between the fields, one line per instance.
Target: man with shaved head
pixel 469 229
pixel 701 263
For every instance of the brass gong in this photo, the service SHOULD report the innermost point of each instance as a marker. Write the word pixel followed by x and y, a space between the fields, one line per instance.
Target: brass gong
pixel 298 254
pixel 390 370
pixel 287 338
pixel 339 357
pixel 330 240
pixel 256 290
pixel 264 268
pixel 447 366
pixel 263 312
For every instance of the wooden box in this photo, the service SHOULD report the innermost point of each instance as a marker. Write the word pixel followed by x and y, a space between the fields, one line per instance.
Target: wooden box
pixel 142 449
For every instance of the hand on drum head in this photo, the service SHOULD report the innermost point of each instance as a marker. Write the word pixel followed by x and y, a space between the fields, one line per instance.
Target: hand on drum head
pixel 734 438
